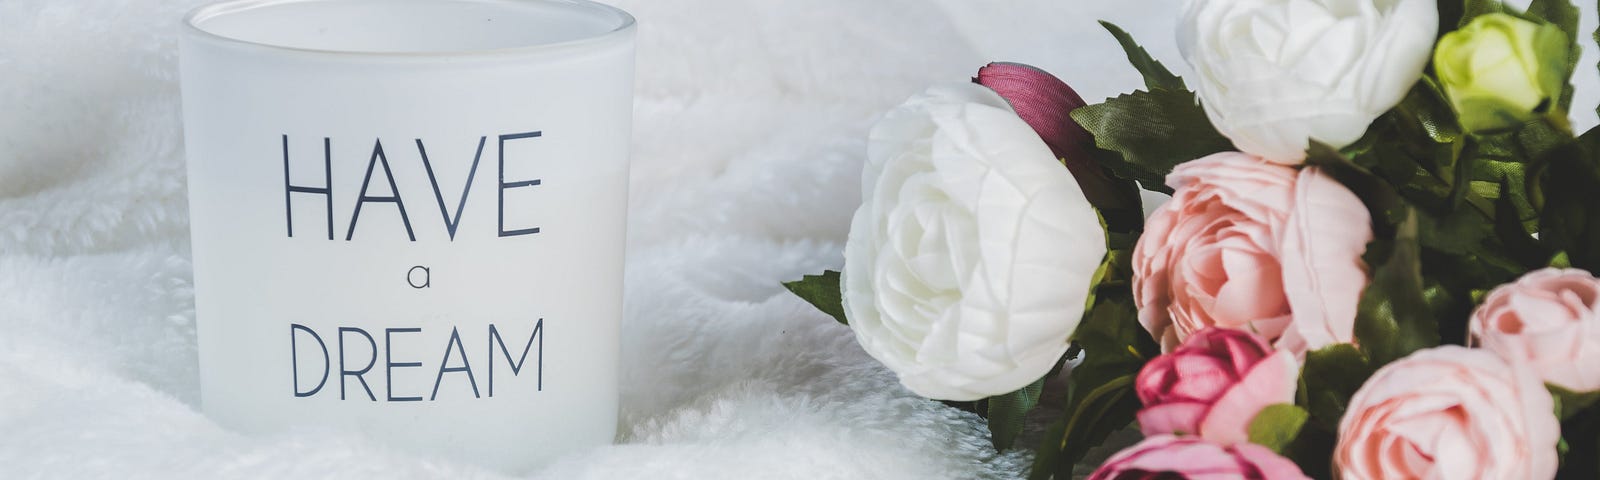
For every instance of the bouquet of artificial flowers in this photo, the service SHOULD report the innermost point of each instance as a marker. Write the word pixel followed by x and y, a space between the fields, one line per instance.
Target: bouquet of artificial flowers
pixel 1376 261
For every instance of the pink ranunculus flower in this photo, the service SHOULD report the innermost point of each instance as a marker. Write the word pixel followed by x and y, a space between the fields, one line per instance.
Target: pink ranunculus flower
pixel 1549 318
pixel 1449 412
pixel 1191 458
pixel 1252 245
pixel 1214 385
pixel 1045 103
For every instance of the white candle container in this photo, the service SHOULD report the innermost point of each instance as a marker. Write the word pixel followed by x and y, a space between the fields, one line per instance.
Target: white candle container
pixel 408 219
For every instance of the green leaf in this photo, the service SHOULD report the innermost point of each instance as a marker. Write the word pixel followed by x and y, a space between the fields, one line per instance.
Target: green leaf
pixel 821 291
pixel 1581 433
pixel 1311 450
pixel 1562 447
pixel 1570 219
pixel 1519 244
pixel 1561 13
pixel 1508 181
pixel 1330 376
pixel 1115 272
pixel 1539 138
pixel 1394 319
pixel 1150 133
pixel 1006 413
pixel 1085 427
pixel 1569 403
pixel 1277 425
pixel 1427 107
pixel 1449 15
pixel 1456 13
pixel 1156 75
pixel 1559 260
pixel 1100 397
pixel 1473 8
pixel 1564 15
pixel 1459 232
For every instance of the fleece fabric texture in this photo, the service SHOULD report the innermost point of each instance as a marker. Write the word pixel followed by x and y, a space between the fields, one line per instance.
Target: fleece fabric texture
pixel 750 121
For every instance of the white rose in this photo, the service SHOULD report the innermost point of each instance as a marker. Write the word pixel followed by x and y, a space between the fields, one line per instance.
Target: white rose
pixel 1273 74
pixel 969 261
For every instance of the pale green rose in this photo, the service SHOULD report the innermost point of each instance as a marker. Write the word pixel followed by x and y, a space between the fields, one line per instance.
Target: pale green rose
pixel 1501 71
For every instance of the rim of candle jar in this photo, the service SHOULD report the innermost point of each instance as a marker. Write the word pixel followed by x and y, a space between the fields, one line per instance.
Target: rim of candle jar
pixel 622 24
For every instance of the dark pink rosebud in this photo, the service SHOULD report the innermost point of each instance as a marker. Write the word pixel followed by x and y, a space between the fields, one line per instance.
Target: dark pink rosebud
pixel 1214 385
pixel 1191 458
pixel 1045 103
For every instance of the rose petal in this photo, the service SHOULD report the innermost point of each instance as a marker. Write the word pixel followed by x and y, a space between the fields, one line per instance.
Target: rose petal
pixel 1174 418
pixel 1270 382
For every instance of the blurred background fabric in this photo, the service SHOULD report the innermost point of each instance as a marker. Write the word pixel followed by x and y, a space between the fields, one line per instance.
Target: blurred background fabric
pixel 750 125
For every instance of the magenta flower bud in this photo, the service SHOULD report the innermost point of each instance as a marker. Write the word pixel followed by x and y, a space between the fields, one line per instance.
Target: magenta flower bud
pixel 1214 385
pixel 1045 103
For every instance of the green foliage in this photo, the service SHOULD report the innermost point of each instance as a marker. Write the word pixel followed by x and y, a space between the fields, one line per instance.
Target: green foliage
pixel 1100 399
pixel 1569 403
pixel 1425 106
pixel 1312 450
pixel 1562 14
pixel 1006 412
pixel 1473 8
pixel 1449 15
pixel 1277 425
pixel 1394 316
pixel 1100 396
pixel 1569 178
pixel 1512 232
pixel 1143 135
pixel 1454 216
pixel 821 291
pixel 1330 376
pixel 1149 133
pixel 1473 196
pixel 1560 260
pixel 1156 75
pixel 1109 273
pixel 1581 434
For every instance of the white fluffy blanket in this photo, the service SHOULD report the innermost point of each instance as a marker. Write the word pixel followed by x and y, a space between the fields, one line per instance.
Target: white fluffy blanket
pixel 750 123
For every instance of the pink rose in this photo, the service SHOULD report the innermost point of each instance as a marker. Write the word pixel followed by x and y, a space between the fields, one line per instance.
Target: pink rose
pixel 1449 412
pixel 1183 458
pixel 1045 102
pixel 1252 245
pixel 1214 385
pixel 1549 318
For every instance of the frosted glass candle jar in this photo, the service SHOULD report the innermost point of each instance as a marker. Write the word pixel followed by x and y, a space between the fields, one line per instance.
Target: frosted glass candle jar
pixel 407 219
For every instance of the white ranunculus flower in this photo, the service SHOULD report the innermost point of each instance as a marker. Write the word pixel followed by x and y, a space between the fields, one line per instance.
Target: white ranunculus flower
pixel 1273 74
pixel 969 261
